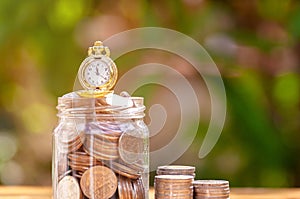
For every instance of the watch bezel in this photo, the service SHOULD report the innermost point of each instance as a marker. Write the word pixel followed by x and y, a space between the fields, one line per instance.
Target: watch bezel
pixel 112 69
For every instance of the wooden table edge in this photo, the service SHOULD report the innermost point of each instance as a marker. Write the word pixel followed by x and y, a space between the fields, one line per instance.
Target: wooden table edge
pixel 44 192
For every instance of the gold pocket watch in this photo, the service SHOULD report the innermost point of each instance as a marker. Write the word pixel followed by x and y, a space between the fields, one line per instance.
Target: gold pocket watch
pixel 97 73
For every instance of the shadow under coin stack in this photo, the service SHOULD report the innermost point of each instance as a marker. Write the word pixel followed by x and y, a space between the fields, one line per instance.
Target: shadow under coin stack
pixel 174 181
pixel 204 189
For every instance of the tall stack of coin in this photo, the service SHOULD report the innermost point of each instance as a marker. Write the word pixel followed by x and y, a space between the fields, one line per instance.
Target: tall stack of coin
pixel 176 170
pixel 173 186
pixel 211 189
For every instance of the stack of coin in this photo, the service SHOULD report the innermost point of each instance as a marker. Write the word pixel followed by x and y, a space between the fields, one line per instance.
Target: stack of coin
pixel 173 186
pixel 130 189
pixel 176 170
pixel 211 189
pixel 80 162
pixel 102 141
pixel 131 171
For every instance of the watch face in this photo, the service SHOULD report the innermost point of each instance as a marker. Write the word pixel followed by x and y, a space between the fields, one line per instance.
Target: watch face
pixel 97 73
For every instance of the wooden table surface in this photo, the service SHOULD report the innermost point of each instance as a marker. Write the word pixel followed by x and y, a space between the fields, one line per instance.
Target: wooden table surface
pixel 235 193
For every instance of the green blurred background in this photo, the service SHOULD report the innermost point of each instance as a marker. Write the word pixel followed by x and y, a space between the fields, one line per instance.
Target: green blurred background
pixel 254 43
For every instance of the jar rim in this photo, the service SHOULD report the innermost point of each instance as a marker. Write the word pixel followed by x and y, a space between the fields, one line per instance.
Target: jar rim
pixel 110 106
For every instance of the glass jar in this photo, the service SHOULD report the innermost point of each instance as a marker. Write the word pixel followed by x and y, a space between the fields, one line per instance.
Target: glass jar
pixel 100 148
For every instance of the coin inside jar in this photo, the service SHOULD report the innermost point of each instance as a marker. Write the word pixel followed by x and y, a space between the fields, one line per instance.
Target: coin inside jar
pixel 99 182
pixel 68 188
pixel 125 188
pixel 102 144
pixel 81 161
pixel 131 145
pixel 123 169
pixel 100 149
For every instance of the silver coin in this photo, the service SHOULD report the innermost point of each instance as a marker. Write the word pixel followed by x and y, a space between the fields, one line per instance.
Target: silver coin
pixel 68 188
pixel 132 146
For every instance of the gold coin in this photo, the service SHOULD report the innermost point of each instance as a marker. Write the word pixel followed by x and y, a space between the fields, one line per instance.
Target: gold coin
pixel 99 182
pixel 68 188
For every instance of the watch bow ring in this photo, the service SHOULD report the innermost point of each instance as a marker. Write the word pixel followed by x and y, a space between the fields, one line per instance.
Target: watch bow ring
pixel 98 72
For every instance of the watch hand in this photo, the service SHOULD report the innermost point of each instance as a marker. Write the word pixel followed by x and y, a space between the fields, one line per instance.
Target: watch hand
pixel 102 76
pixel 97 72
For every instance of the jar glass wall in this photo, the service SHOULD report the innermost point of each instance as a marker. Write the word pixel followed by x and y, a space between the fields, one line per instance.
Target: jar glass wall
pixel 100 148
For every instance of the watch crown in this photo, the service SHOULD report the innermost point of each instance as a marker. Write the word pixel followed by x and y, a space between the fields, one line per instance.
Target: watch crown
pixel 98 43
pixel 99 49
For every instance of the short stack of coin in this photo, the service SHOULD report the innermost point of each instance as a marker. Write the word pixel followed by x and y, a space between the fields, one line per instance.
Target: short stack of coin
pixel 173 186
pixel 176 170
pixel 211 189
